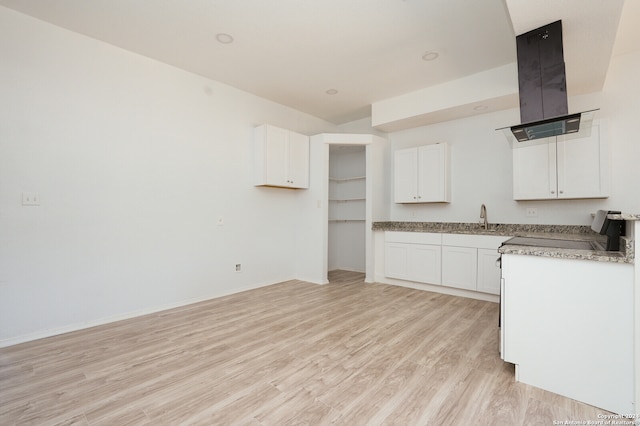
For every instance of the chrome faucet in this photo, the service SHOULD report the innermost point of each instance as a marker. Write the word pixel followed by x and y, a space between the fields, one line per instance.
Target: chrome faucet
pixel 483 215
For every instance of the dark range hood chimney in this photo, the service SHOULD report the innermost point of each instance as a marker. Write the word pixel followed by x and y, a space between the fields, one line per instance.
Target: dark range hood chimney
pixel 542 85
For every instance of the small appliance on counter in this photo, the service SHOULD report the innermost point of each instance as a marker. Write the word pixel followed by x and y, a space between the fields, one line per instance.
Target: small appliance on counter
pixel 612 228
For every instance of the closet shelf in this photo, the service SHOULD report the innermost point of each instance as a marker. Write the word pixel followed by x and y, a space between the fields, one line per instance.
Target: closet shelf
pixel 347 179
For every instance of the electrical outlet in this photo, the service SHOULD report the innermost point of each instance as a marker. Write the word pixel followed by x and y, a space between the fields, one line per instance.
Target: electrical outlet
pixel 532 212
pixel 30 199
pixel 220 221
pixel 238 267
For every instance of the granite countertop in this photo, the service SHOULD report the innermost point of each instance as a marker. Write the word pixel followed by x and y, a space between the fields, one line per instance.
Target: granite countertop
pixel 625 216
pixel 564 232
pixel 625 255
pixel 504 229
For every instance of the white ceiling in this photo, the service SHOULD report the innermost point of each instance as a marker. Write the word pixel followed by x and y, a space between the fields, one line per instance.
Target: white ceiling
pixel 293 51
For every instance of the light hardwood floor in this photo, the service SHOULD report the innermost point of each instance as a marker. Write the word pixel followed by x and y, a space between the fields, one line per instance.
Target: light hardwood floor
pixel 294 353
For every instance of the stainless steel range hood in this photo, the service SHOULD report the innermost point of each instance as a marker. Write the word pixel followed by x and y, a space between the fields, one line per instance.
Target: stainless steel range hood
pixel 542 88
pixel 578 124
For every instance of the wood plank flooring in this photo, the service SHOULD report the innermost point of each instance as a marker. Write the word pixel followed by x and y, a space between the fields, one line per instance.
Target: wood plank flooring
pixel 346 353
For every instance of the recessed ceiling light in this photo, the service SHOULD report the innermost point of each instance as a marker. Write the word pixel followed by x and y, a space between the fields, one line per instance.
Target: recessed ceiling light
pixel 331 92
pixel 224 38
pixel 430 56
pixel 480 107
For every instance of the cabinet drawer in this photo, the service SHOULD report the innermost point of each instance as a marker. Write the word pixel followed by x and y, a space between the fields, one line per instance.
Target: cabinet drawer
pixel 477 241
pixel 413 237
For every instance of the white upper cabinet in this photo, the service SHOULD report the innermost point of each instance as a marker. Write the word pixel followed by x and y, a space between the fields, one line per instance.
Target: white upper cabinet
pixel 582 166
pixel 281 158
pixel 298 160
pixel 421 174
pixel 534 171
pixel 562 167
pixel 406 176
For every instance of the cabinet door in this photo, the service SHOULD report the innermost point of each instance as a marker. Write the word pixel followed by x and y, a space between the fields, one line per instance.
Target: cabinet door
pixel 432 173
pixel 275 150
pixel 424 264
pixel 396 257
pixel 414 262
pixel 579 166
pixel 298 161
pixel 534 171
pixel 459 267
pixel 406 176
pixel 488 271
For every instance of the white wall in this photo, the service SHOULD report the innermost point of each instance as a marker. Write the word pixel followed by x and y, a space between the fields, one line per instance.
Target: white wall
pixel 621 97
pixel 481 163
pixel 134 161
pixel 312 214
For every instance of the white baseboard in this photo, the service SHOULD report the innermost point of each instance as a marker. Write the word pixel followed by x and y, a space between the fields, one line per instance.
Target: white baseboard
pixel 119 317
pixel 154 309
pixel 348 270
pixel 439 289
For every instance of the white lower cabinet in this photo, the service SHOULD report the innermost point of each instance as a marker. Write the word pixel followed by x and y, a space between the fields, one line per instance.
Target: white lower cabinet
pixel 424 263
pixel 459 267
pixel 462 261
pixel 471 268
pixel 567 325
pixel 396 260
pixel 488 271
pixel 409 256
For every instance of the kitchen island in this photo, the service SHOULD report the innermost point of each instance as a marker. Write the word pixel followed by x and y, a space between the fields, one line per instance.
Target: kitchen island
pixel 568 320
pixel 567 325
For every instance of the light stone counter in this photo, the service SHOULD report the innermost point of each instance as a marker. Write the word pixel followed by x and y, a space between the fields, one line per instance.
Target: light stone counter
pixel 625 255
pixel 505 229
pixel 564 232
pixel 625 216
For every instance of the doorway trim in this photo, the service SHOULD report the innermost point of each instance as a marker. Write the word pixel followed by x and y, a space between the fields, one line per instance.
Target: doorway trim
pixel 313 226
